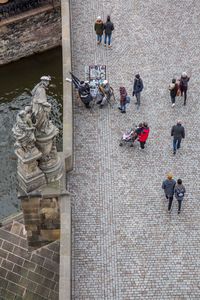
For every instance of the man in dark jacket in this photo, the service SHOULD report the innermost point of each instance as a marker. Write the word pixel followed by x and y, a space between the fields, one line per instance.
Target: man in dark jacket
pixel 108 29
pixel 137 88
pixel 178 133
pixel 168 186
pixel 184 85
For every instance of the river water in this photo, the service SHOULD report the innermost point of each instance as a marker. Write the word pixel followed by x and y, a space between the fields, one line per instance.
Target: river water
pixel 16 81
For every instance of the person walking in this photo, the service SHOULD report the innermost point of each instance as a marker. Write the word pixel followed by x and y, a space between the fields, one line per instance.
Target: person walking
pixel 143 135
pixel 108 29
pixel 137 88
pixel 179 192
pixel 184 85
pixel 173 87
pixel 168 186
pixel 123 95
pixel 178 133
pixel 99 27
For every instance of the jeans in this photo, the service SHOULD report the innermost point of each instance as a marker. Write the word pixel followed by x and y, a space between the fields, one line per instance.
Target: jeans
pixel 99 38
pixel 176 144
pixel 137 95
pixel 179 205
pixel 123 106
pixel 170 202
pixel 184 91
pixel 109 39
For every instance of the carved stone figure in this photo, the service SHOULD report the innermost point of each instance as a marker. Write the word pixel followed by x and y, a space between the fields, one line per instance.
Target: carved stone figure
pixel 38 160
pixel 23 132
pixel 40 106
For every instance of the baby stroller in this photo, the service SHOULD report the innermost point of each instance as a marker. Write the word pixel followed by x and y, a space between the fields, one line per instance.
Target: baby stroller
pixel 128 137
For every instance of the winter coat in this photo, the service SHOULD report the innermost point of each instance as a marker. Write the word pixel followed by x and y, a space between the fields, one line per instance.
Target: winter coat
pixel 108 27
pixel 143 136
pixel 138 85
pixel 168 186
pixel 179 191
pixel 173 87
pixel 123 95
pixel 99 27
pixel 178 132
pixel 184 82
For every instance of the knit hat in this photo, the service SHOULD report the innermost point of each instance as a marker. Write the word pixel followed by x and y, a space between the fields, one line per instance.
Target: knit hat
pixel 169 175
pixel 184 74
pixel 99 18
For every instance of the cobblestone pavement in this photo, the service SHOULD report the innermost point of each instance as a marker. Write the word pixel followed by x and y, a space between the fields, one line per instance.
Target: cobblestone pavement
pixel 125 244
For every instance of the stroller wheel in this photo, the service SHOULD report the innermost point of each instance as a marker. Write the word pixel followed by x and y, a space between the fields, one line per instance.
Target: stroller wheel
pixel 120 144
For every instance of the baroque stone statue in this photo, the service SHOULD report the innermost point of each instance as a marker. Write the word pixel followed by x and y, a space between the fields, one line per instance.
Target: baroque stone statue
pixel 23 131
pixel 38 160
pixel 40 106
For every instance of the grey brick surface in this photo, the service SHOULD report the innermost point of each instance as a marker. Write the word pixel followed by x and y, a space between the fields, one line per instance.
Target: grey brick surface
pixel 125 244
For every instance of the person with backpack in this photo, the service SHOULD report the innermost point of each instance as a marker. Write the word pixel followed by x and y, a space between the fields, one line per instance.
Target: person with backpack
pixel 168 186
pixel 137 88
pixel 173 88
pixel 179 192
pixel 108 29
pixel 99 27
pixel 184 85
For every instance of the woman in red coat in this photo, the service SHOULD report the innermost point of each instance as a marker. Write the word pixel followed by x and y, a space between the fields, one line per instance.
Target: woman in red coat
pixel 143 136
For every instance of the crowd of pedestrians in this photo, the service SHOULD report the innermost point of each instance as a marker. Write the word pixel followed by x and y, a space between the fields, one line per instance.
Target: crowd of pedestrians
pixel 177 87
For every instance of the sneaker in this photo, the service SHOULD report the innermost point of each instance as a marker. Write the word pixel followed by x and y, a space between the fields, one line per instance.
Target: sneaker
pixel 68 79
pixel 173 104
pixel 119 108
pixel 179 212
pixel 109 46
pixel 123 111
pixel 174 152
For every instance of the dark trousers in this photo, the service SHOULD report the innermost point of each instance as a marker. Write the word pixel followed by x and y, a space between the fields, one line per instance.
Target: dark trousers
pixel 173 99
pixel 170 202
pixel 142 145
pixel 184 91
pixel 179 205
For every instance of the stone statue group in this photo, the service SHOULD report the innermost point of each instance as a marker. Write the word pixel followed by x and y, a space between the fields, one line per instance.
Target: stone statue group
pixel 35 146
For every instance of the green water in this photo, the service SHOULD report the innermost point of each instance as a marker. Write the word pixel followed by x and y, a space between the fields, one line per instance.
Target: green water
pixel 16 81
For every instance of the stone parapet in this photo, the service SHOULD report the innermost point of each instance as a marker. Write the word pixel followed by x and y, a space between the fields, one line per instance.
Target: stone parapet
pixel 30 32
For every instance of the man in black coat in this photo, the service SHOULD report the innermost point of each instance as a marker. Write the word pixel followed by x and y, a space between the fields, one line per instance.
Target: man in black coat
pixel 178 133
pixel 137 88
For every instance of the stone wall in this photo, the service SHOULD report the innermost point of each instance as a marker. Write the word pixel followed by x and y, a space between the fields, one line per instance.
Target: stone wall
pixel 30 32
pixel 42 220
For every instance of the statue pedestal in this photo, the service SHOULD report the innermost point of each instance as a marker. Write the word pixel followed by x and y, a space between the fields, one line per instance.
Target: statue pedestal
pixel 49 162
pixel 30 177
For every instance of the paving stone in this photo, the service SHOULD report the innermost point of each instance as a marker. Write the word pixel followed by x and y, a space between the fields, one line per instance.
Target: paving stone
pixel 125 244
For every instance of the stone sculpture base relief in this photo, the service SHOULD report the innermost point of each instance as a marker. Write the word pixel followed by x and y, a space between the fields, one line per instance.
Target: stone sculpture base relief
pixel 35 146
